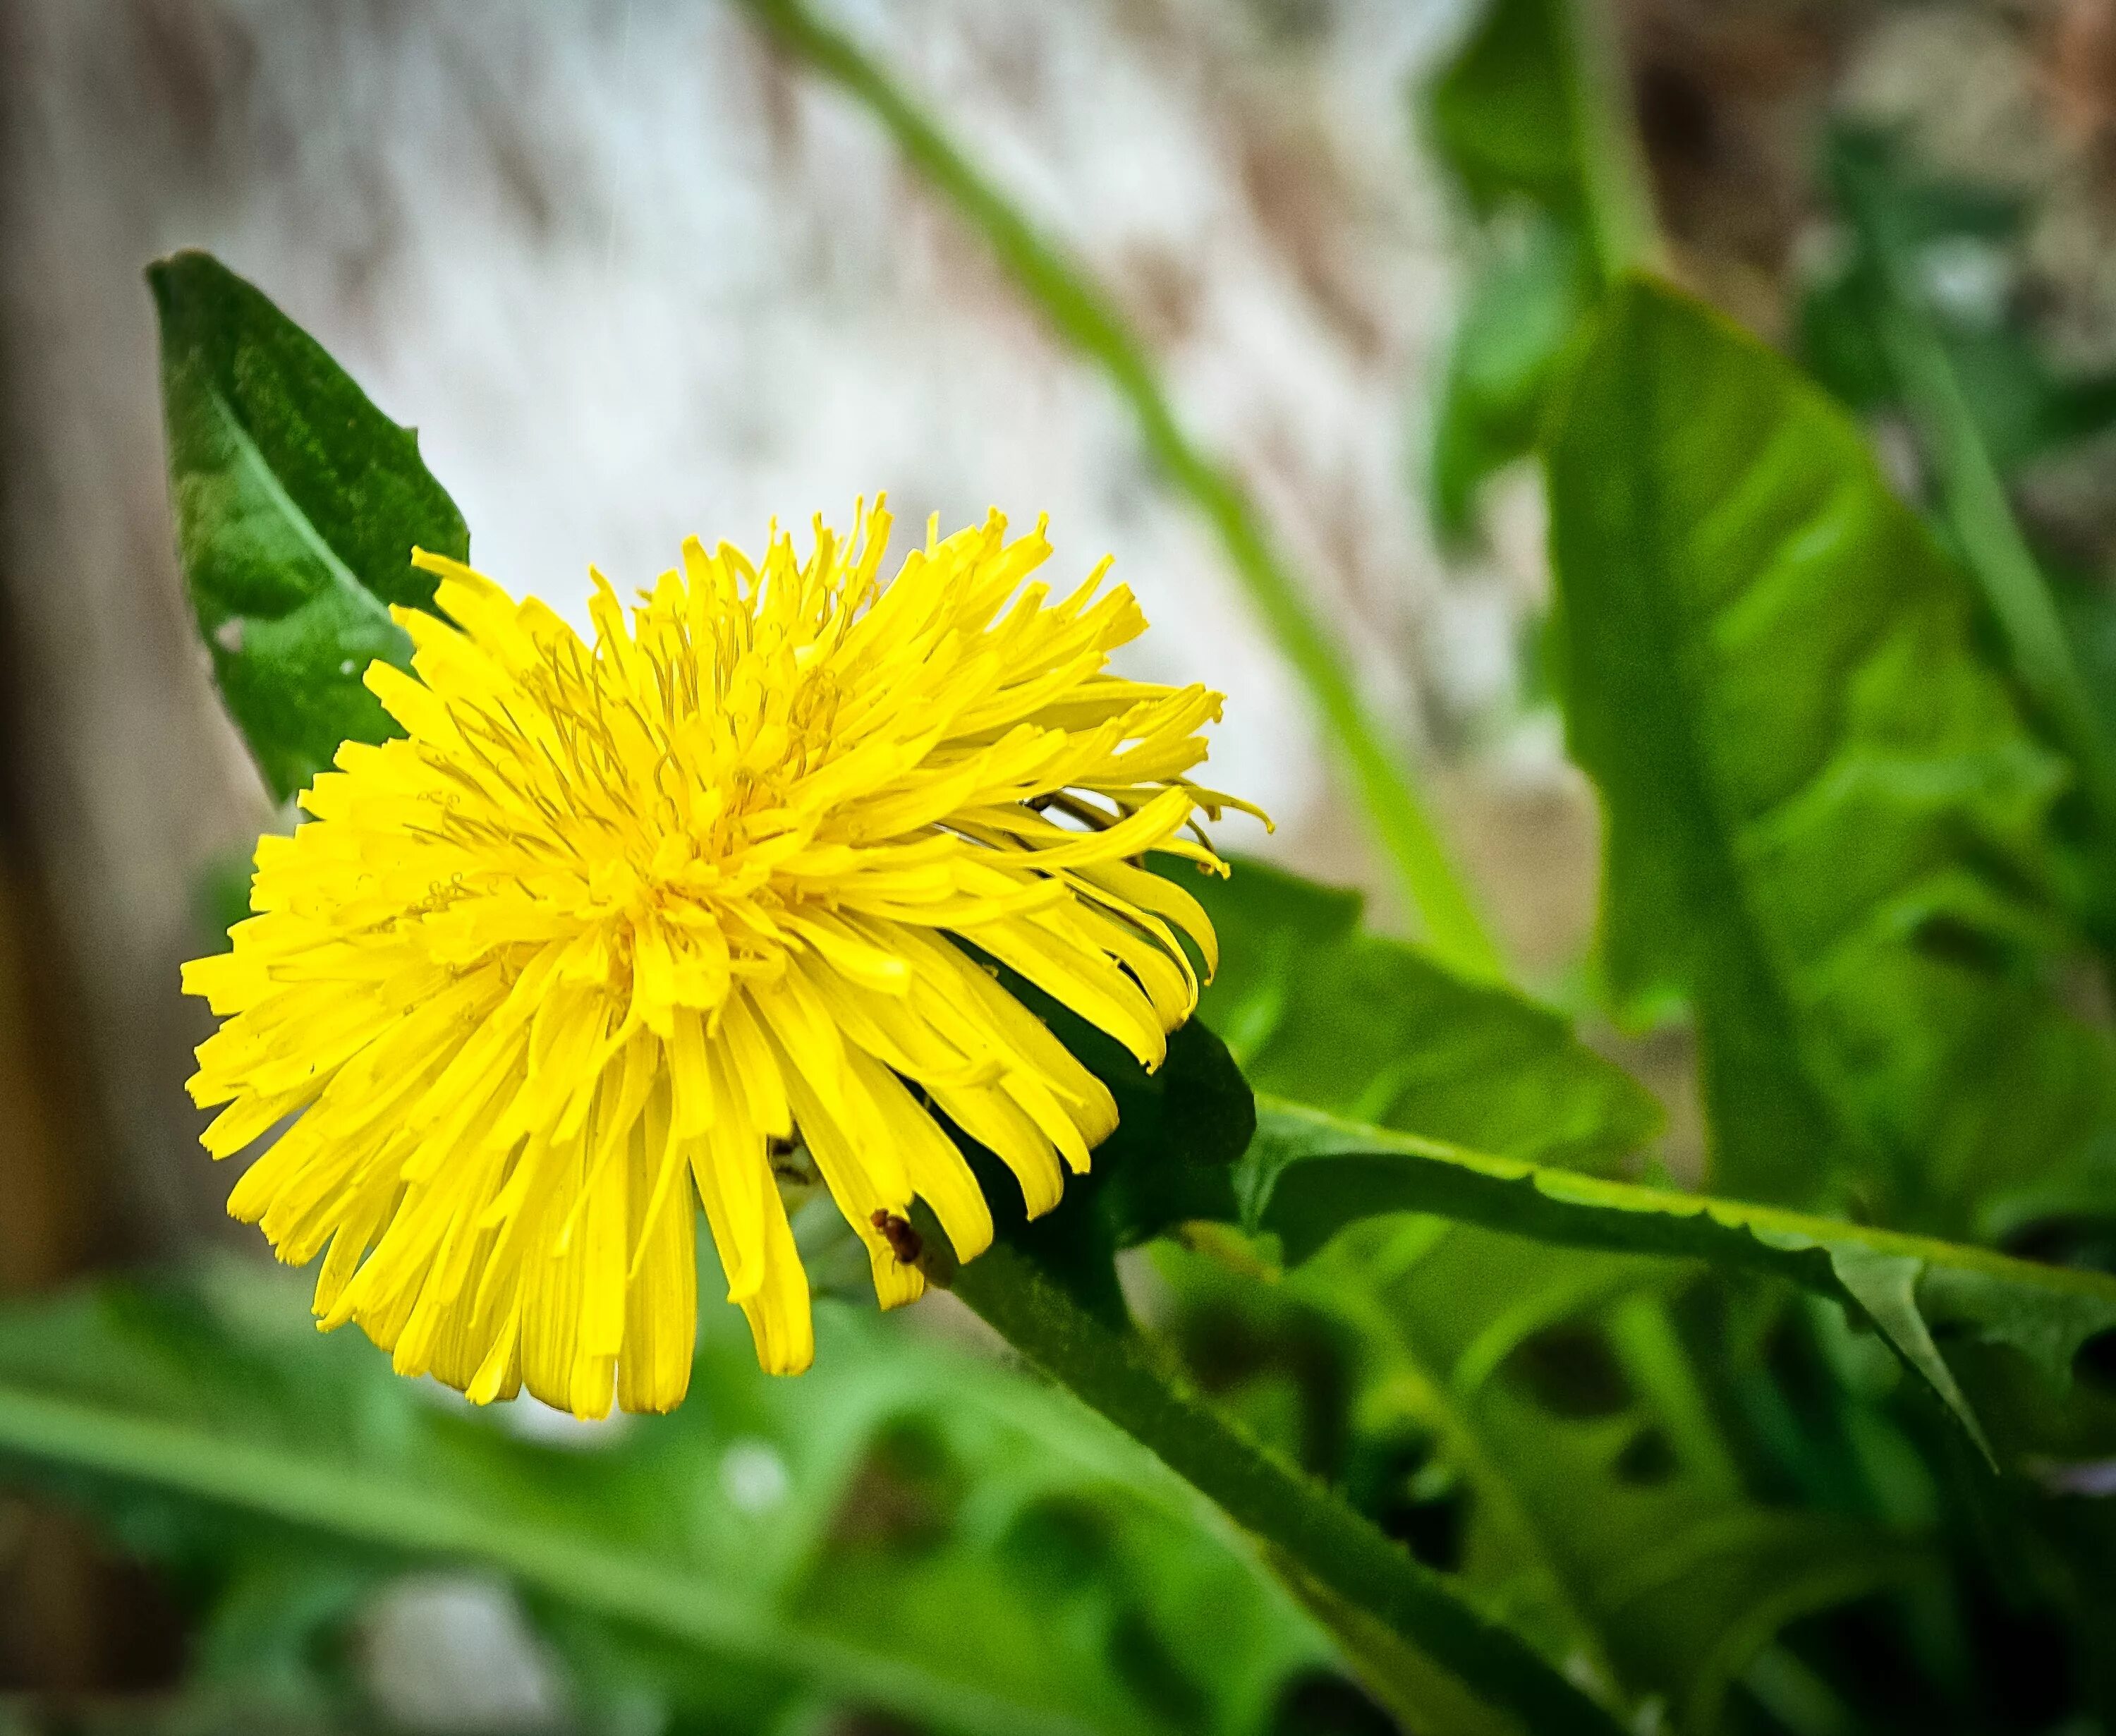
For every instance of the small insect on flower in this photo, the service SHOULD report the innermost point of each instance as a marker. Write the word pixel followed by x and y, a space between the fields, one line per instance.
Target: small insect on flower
pixel 612 925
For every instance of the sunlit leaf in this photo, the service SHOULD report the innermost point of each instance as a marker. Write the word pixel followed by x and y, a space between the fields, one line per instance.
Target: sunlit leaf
pixel 1827 822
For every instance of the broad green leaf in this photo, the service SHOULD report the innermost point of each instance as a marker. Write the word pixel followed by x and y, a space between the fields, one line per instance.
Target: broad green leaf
pixel 1827 821
pixel 1316 1009
pixel 903 1531
pixel 297 505
pixel 1309 1175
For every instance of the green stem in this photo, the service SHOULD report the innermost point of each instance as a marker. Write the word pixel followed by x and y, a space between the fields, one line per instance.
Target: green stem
pixel 1086 318
pixel 1324 1541
pixel 403 1516
pixel 1974 500
pixel 1612 162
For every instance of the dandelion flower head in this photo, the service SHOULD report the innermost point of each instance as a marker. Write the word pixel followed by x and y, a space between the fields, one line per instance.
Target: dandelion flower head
pixel 615 927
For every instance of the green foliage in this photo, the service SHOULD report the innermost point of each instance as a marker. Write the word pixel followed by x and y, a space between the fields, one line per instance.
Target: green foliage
pixel 1504 116
pixel 1530 120
pixel 1520 309
pixel 2025 407
pixel 1315 1007
pixel 1518 1418
pixel 1619 1538
pixel 297 505
pixel 1827 821
pixel 1454 1664
pixel 1309 1175
pixel 1912 344
pixel 889 1534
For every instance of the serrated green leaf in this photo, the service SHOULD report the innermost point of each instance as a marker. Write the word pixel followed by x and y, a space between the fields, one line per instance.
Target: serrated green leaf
pixel 884 1538
pixel 297 505
pixel 1826 820
pixel 1318 1009
pixel 1309 1175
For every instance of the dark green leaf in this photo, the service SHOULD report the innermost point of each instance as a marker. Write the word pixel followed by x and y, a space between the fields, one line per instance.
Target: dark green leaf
pixel 297 505
pixel 1827 821
pixel 1309 1175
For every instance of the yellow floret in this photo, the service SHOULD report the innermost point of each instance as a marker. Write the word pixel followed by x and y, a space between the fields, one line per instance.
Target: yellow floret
pixel 617 931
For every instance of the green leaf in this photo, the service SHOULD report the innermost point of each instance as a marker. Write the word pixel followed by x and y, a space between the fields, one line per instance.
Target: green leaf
pixel 903 1531
pixel 1309 1175
pixel 1504 119
pixel 1316 1009
pixel 1504 115
pixel 1827 821
pixel 1520 312
pixel 297 505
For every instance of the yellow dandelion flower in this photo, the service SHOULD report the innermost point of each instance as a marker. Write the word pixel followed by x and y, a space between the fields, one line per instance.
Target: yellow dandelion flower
pixel 611 925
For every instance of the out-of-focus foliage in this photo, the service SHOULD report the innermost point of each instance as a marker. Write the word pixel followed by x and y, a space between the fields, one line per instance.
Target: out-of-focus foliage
pixel 903 1531
pixel 1504 119
pixel 1963 239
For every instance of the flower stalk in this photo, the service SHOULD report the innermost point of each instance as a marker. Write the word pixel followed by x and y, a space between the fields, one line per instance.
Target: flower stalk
pixel 1310 1536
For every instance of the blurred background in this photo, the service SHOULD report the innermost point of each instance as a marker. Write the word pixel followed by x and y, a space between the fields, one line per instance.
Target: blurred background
pixel 633 273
